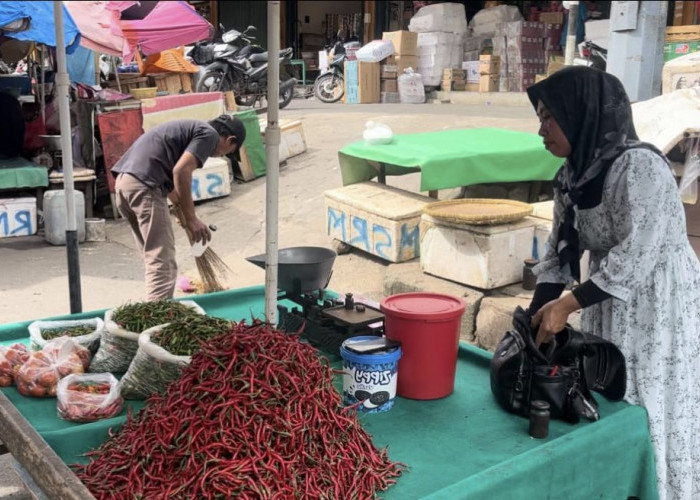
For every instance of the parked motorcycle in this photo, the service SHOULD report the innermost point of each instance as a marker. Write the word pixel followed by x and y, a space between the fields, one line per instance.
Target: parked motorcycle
pixel 329 86
pixel 233 41
pixel 246 76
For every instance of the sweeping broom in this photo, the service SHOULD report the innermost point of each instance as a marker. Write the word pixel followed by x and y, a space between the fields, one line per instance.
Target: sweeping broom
pixel 209 265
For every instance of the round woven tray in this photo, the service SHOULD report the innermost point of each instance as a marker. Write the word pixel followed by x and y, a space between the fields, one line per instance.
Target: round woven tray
pixel 478 211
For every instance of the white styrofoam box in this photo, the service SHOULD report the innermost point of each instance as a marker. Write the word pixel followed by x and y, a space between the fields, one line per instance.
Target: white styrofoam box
pixel 375 51
pixel 449 17
pixel 543 210
pixel 376 218
pixel 681 73
pixel 55 216
pixel 485 21
pixel 213 180
pixel 17 217
pixel 542 230
pixel 292 138
pixel 435 38
pixel 485 257
pixel 472 69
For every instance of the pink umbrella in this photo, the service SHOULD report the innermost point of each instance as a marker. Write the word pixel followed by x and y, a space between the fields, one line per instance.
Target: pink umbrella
pixel 120 28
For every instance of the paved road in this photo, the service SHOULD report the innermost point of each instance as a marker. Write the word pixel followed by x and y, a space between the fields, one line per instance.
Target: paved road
pixel 34 282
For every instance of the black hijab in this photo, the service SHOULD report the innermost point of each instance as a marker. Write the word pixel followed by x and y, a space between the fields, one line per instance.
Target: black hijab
pixel 594 112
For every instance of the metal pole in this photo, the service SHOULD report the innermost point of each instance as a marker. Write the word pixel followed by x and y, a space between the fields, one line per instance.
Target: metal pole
pixel 272 141
pixel 62 85
pixel 570 52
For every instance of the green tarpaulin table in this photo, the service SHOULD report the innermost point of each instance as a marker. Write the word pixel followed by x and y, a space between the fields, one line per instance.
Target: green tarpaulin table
pixel 452 158
pixel 462 446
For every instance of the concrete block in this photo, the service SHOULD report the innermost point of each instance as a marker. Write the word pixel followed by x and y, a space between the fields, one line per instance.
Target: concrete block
pixel 495 318
pixel 408 277
pixel 484 257
pixel 376 218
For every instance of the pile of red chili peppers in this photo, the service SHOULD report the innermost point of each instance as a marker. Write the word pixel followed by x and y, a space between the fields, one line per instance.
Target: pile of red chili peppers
pixel 255 415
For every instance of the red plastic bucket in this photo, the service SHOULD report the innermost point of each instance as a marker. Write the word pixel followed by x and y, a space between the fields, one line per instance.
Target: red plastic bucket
pixel 427 325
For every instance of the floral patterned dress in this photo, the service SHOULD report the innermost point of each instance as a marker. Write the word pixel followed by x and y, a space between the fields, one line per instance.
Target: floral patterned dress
pixel 640 254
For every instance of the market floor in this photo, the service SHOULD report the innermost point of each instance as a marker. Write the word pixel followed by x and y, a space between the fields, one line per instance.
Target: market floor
pixel 34 282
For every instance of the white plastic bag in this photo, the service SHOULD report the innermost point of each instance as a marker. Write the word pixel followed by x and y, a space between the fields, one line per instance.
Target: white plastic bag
pixel 152 369
pixel 375 51
pixel 118 346
pixel 89 397
pixel 411 90
pixel 688 186
pixel 90 341
pixel 377 133
pixel 39 375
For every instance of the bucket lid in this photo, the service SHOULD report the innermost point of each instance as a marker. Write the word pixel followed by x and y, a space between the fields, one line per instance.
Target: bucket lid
pixel 423 305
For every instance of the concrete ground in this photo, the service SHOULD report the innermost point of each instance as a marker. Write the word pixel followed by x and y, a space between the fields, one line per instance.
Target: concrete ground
pixel 34 281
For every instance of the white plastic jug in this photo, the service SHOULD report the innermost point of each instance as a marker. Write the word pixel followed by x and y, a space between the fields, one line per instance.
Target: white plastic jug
pixel 55 216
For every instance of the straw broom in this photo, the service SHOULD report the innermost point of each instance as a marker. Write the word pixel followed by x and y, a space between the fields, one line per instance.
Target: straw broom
pixel 209 265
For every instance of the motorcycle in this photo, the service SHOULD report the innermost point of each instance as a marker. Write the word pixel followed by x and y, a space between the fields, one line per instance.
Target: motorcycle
pixel 233 41
pixel 246 76
pixel 329 86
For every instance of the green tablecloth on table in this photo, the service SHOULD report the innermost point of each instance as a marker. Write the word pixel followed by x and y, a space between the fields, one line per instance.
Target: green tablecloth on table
pixel 453 158
pixel 462 446
pixel 20 173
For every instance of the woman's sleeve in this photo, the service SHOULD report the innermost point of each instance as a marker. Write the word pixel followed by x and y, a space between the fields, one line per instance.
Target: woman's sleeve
pixel 642 204
pixel 548 270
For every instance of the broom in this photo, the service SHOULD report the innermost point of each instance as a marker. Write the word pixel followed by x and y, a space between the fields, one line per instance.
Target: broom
pixel 209 265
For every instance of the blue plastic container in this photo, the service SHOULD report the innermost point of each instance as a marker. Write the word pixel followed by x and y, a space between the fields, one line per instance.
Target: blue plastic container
pixel 370 378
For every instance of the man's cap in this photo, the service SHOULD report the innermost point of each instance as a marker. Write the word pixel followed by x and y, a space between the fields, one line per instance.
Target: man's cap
pixel 232 126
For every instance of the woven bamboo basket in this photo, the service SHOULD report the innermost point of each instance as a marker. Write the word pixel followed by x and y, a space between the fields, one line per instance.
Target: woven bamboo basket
pixel 478 211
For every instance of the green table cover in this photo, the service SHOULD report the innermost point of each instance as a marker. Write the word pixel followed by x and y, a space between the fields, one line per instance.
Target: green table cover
pixel 453 158
pixel 461 446
pixel 20 173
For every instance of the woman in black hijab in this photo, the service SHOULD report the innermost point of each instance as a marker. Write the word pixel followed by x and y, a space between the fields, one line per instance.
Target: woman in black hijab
pixel 617 198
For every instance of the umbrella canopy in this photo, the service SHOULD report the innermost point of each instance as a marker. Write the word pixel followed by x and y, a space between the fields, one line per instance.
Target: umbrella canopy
pixel 119 28
pixel 34 22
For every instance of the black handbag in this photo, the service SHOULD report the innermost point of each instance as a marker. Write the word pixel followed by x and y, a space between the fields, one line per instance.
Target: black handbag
pixel 563 372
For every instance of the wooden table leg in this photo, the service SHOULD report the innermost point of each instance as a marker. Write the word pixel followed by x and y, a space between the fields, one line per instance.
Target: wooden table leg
pixel 88 199
pixel 433 193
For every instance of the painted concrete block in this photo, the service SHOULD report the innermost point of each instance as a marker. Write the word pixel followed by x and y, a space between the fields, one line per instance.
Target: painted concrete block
pixel 213 180
pixel 484 257
pixel 17 217
pixel 376 218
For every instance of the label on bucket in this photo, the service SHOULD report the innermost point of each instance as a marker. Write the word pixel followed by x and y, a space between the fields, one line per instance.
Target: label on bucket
pixel 374 385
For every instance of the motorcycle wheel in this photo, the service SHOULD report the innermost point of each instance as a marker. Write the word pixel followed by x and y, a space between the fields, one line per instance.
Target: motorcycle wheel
pixel 329 88
pixel 212 81
pixel 247 100
pixel 286 97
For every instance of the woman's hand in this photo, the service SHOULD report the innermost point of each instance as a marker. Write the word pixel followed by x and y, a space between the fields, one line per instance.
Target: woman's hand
pixel 551 318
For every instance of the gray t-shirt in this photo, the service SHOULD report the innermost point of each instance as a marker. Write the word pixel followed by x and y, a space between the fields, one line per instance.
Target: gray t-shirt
pixel 153 156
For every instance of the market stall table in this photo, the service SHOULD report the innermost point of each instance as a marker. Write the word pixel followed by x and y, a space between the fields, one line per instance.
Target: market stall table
pixel 462 446
pixel 452 158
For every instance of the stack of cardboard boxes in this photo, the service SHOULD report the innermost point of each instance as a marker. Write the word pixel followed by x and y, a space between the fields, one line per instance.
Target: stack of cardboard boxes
pixel 405 56
pixel 489 69
pixel 680 41
pixel 361 82
pixel 454 79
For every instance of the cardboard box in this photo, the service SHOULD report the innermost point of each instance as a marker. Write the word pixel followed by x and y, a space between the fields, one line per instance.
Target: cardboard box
pixel 376 218
pixel 17 217
pixel 389 86
pixel 459 86
pixel 390 98
pixel 488 83
pixel 552 17
pixel 402 62
pixel 405 42
pixel 472 87
pixel 489 65
pixel 683 33
pixel 361 82
pixel 678 49
pixel 555 64
pixel 454 74
pixel 388 72
pixel 539 77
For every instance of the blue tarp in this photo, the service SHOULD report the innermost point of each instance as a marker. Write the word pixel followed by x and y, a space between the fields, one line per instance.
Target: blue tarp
pixel 41 25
